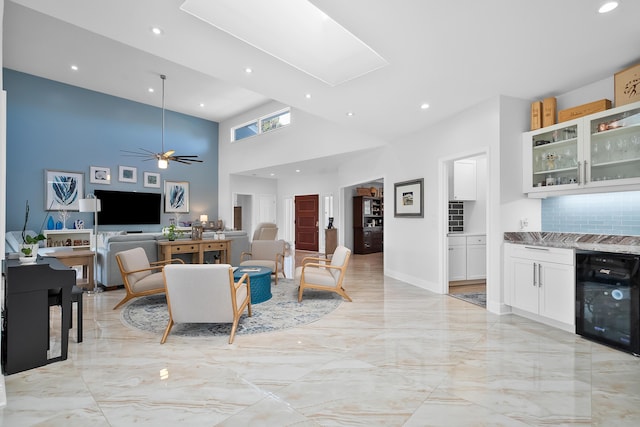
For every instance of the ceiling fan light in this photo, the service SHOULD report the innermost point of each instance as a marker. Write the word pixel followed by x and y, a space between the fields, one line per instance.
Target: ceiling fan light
pixel 163 163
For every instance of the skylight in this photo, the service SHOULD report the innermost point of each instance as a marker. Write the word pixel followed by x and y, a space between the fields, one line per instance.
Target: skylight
pixel 293 31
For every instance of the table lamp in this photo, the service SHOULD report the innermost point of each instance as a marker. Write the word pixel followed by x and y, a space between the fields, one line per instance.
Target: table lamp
pixel 92 204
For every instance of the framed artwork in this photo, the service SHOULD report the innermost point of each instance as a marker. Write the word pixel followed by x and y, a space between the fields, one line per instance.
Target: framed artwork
pixel 176 196
pixel 409 199
pixel 152 179
pixel 99 175
pixel 128 174
pixel 63 190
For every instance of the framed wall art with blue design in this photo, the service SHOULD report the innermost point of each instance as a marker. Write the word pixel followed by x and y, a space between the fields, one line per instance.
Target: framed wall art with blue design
pixel 176 197
pixel 63 190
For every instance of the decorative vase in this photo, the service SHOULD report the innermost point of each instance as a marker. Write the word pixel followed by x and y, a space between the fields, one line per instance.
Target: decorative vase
pixel 51 223
pixel 32 249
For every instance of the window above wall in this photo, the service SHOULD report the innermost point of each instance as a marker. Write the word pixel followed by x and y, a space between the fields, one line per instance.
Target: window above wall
pixel 261 125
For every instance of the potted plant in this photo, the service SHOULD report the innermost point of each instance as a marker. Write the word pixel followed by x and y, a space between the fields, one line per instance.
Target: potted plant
pixel 172 232
pixel 30 244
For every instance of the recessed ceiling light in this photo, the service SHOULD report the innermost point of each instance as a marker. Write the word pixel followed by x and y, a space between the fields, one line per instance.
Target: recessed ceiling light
pixel 272 174
pixel 308 96
pixel 608 6
pixel 74 67
pixel 248 70
pixel 297 170
pixel 202 104
pixel 151 90
pixel 424 106
pixel 350 113
pixel 157 31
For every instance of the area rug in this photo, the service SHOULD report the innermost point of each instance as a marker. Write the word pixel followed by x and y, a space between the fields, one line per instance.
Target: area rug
pixel 282 311
pixel 477 298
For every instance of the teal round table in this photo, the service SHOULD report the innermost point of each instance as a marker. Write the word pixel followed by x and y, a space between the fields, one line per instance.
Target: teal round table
pixel 260 282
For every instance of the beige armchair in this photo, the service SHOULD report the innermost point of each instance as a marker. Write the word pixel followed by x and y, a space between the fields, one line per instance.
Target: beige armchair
pixel 265 231
pixel 140 277
pixel 205 293
pixel 324 274
pixel 266 253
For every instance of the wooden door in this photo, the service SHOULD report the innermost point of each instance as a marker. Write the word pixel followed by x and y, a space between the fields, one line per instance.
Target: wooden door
pixel 306 212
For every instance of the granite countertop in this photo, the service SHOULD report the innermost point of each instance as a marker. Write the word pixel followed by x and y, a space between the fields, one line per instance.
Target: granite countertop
pixel 591 242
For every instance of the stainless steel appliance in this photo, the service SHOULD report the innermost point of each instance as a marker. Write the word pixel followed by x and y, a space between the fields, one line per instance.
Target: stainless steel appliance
pixel 608 299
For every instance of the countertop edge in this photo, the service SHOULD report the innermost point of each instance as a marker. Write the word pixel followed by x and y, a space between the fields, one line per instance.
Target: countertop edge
pixel 590 242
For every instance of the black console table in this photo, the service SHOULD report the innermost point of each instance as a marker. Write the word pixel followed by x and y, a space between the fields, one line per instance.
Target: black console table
pixel 25 336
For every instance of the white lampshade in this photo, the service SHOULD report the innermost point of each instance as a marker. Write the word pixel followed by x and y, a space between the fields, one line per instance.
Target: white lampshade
pixel 90 205
pixel 163 163
pixel 204 218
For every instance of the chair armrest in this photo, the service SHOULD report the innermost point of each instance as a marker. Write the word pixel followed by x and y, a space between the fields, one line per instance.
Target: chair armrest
pixel 313 264
pixel 307 259
pixel 165 262
pixel 244 278
pixel 157 267
pixel 242 255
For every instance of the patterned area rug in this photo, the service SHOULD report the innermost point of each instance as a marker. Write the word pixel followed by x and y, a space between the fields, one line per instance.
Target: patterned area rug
pixel 477 298
pixel 282 311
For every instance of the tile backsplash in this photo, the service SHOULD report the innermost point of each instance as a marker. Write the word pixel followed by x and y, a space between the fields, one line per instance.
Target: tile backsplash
pixel 603 213
pixel 456 217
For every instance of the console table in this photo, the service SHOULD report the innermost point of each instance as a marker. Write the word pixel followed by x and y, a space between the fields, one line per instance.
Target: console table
pixel 25 338
pixel 166 249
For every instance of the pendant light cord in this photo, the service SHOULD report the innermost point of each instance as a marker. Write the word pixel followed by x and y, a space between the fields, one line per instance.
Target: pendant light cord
pixel 163 77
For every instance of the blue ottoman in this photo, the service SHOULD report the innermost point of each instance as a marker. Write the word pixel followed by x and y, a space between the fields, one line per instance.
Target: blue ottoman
pixel 260 282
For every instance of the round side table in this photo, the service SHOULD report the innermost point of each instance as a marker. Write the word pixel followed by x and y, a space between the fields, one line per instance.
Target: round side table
pixel 260 282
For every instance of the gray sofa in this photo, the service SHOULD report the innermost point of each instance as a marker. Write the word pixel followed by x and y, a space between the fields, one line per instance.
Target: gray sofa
pixel 109 244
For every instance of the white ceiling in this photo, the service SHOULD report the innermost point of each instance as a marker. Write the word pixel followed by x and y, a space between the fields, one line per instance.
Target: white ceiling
pixel 450 54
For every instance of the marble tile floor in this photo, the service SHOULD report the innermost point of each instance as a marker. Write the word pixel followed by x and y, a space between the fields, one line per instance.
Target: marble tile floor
pixel 397 356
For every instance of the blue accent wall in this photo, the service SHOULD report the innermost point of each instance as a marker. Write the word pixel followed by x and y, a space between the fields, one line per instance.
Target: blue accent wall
pixel 51 125
pixel 602 213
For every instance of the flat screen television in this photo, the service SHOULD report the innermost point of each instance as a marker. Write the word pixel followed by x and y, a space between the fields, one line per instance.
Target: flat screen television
pixel 128 207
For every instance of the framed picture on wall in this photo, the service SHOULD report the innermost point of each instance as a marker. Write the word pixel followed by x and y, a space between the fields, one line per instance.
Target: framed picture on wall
pixel 176 197
pixel 152 179
pixel 409 199
pixel 63 190
pixel 99 175
pixel 128 174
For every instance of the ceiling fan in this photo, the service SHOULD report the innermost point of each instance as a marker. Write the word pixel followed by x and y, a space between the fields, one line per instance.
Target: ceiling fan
pixel 163 157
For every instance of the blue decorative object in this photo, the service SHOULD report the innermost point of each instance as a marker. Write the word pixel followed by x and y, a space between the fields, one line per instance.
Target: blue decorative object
pixel 50 223
pixel 59 225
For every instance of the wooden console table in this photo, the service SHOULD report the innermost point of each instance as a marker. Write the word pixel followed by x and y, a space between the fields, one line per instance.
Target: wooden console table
pixel 166 249
pixel 78 257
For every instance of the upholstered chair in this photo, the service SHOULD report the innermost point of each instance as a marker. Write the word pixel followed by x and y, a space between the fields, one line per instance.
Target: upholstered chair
pixel 324 274
pixel 265 231
pixel 205 293
pixel 140 277
pixel 266 253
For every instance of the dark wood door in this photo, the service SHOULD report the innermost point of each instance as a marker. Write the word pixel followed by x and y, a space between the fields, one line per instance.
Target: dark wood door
pixel 307 222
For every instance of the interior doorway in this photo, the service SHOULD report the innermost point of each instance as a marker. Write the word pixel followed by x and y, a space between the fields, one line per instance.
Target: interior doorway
pixel 466 214
pixel 242 204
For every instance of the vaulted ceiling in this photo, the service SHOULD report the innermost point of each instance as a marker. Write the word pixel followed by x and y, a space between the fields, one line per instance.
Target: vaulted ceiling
pixel 450 54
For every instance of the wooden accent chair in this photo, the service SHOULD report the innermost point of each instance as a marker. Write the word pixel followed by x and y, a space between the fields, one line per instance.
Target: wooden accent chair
pixel 140 277
pixel 266 253
pixel 324 274
pixel 205 293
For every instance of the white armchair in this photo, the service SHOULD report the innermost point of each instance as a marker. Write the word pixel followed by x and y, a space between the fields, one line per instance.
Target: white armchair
pixel 266 253
pixel 265 231
pixel 205 293
pixel 324 274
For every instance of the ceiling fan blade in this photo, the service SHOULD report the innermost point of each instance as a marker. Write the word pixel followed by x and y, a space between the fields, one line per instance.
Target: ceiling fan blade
pixel 168 153
pixel 180 161
pixel 187 158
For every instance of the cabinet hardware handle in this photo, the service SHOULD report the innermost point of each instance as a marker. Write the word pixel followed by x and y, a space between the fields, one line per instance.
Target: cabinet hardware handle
pixel 579 173
pixel 537 248
pixel 539 275
pixel 585 171
pixel 534 274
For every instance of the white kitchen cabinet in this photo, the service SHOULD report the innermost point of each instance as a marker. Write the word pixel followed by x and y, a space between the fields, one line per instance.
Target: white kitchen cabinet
pixel 467 257
pixel 476 257
pixel 589 154
pixel 457 258
pixel 541 281
pixel 464 180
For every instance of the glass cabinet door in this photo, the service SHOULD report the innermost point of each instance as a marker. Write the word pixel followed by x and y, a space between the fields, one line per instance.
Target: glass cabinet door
pixel 555 157
pixel 614 147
